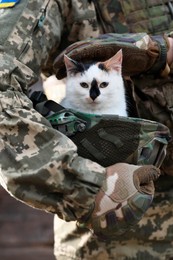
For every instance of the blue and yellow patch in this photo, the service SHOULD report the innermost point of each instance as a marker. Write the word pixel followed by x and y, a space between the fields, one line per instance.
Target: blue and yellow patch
pixel 8 3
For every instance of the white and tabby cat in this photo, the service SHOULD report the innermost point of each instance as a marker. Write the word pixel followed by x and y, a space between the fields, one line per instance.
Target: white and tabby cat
pixel 96 88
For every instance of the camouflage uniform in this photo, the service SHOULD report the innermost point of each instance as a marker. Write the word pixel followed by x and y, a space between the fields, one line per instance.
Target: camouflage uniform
pixel 39 165
pixel 30 149
pixel 153 237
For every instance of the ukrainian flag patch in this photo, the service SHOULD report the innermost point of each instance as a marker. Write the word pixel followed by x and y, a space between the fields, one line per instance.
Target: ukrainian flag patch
pixel 8 3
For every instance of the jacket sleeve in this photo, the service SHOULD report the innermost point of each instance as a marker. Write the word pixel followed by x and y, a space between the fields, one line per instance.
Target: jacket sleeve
pixel 39 165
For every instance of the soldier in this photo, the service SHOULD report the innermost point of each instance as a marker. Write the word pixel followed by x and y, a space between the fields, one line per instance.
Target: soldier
pixel 40 166
pixel 152 238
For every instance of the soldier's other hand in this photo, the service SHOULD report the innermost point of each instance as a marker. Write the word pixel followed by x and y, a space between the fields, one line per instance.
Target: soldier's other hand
pixel 125 196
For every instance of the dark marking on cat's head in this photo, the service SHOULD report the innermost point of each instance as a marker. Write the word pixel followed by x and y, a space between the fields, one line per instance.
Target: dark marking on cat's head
pixel 81 67
pixel 73 67
pixel 78 68
pixel 102 67
pixel 94 90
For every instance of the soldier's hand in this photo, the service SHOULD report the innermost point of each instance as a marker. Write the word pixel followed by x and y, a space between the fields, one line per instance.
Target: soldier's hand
pixel 125 196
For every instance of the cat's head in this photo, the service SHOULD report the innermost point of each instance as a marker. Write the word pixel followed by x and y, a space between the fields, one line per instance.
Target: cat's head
pixel 93 85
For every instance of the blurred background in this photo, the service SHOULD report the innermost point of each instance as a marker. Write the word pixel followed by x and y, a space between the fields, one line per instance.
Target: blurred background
pixel 25 233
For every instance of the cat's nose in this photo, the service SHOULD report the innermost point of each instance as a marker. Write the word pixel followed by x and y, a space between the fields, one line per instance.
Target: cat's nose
pixel 94 92
pixel 93 97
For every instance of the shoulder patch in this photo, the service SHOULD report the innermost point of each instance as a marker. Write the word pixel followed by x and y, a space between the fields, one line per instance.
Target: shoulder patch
pixel 8 3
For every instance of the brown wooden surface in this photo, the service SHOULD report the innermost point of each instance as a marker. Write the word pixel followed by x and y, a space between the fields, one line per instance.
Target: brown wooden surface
pixel 25 233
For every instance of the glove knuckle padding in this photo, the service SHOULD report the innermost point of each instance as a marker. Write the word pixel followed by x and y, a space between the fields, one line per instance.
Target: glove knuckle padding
pixel 120 186
pixel 120 203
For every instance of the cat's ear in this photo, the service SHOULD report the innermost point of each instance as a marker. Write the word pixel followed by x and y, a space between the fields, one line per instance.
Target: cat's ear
pixel 115 62
pixel 71 65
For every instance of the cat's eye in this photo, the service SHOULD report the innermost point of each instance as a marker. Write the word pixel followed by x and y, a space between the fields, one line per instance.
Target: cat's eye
pixel 104 84
pixel 84 85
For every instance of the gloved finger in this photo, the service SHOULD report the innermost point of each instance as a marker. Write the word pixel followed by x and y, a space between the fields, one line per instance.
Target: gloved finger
pixel 121 219
pixel 144 177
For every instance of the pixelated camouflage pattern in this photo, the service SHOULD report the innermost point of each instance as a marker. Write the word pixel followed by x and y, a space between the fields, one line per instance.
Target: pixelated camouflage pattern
pixel 110 15
pixel 38 165
pixel 79 22
pixel 153 237
pixel 153 17
pixel 36 181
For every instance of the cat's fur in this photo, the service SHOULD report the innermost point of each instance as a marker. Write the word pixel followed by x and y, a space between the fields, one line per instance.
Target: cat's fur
pixel 96 88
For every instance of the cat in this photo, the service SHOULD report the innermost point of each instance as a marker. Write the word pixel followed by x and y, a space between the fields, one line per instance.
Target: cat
pixel 96 88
